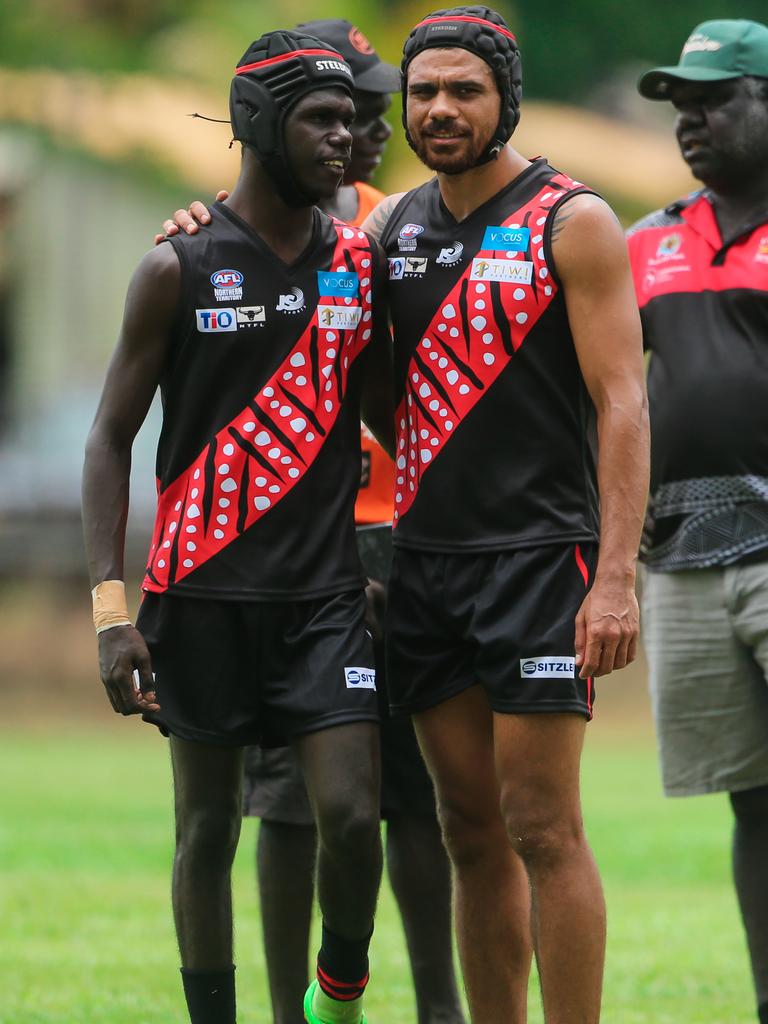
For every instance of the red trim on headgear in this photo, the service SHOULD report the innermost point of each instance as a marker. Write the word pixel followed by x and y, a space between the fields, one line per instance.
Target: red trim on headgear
pixel 288 56
pixel 465 17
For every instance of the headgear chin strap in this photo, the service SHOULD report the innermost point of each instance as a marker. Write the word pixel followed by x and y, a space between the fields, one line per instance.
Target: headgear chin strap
pixel 483 32
pixel 274 73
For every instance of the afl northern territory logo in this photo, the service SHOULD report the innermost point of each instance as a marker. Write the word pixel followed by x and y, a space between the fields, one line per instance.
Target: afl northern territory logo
pixel 406 239
pixel 227 285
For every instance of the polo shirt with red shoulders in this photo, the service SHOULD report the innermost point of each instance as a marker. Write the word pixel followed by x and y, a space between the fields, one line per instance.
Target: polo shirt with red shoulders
pixel 704 307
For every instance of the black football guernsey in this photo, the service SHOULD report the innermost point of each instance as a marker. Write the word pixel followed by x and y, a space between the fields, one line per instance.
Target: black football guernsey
pixel 704 306
pixel 495 427
pixel 258 461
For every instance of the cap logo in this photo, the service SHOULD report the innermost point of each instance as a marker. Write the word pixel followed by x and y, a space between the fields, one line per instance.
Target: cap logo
pixel 699 43
pixel 360 42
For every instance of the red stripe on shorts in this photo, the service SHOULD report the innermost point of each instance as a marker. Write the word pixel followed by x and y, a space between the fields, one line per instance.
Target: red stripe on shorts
pixel 582 565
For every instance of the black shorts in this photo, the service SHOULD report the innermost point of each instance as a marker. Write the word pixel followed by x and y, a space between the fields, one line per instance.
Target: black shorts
pixel 502 619
pixel 232 673
pixel 274 786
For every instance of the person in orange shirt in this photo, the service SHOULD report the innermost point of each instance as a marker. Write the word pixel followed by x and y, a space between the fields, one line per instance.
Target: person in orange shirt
pixel 274 788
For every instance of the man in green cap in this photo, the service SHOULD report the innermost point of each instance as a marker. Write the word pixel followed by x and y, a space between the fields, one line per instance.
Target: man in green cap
pixel 701 274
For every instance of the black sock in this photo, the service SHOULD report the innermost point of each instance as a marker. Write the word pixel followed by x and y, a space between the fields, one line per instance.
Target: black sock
pixel 342 965
pixel 762 1013
pixel 210 996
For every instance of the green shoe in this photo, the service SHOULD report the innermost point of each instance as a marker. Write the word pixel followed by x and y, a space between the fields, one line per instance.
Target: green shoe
pixel 310 1017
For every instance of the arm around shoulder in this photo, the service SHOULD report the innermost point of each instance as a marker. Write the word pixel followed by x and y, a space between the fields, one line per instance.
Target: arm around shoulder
pixel 377 400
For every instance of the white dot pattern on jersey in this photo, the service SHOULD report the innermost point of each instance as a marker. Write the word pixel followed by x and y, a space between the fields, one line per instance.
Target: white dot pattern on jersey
pixel 433 406
pixel 271 434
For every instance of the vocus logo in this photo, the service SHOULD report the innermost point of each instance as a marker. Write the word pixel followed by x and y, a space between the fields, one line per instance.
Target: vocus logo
pixel 512 239
pixel 331 282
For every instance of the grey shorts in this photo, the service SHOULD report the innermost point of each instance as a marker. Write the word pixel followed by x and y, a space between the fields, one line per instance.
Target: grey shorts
pixel 705 633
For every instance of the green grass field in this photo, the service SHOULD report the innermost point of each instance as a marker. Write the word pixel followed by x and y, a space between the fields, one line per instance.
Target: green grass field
pixel 86 936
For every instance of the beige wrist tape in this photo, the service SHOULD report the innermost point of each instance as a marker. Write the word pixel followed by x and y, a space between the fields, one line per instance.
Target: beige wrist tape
pixel 109 605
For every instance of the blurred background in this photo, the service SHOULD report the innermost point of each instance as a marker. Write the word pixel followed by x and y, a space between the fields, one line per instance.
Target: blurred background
pixel 96 148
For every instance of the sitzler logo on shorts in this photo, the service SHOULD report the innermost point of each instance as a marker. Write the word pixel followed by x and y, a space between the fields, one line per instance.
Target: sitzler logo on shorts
pixel 504 271
pixel 360 678
pixel 553 666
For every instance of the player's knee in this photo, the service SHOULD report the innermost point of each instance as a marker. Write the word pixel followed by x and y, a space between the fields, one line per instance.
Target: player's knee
pixel 209 835
pixel 541 836
pixel 346 823
pixel 751 806
pixel 468 837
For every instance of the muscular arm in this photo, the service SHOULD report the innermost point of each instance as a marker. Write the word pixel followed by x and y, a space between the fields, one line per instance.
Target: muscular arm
pixel 591 258
pixel 378 394
pixel 198 213
pixel 132 379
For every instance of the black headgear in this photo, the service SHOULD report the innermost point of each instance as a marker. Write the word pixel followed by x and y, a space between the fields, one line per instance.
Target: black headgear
pixel 273 74
pixel 483 32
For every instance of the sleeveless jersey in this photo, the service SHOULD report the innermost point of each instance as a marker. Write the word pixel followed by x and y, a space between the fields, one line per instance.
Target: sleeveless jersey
pixel 495 425
pixel 258 461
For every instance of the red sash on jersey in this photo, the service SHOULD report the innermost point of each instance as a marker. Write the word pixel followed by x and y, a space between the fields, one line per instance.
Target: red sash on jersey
pixel 264 451
pixel 469 342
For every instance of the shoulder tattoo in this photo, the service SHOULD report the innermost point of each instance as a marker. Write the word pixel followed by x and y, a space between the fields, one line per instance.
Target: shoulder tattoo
pixel 562 215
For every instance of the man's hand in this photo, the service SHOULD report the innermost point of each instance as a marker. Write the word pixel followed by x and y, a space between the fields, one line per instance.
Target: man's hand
pixel 189 220
pixel 121 651
pixel 607 627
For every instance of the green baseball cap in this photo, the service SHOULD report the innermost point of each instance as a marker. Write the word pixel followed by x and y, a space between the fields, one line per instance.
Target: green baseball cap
pixel 714 52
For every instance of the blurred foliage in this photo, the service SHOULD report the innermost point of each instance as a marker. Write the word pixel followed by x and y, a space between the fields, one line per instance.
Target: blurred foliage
pixel 567 50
